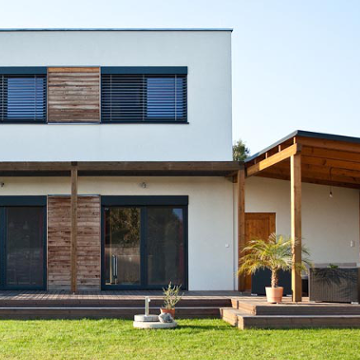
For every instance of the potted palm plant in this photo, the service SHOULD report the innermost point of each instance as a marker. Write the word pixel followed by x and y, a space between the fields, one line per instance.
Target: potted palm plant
pixel 274 254
pixel 171 298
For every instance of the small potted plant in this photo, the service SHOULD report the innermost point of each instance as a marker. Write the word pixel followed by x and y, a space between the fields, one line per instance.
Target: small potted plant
pixel 274 254
pixel 171 298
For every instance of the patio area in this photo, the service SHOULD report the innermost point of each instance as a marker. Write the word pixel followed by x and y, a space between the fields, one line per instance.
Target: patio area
pixel 106 304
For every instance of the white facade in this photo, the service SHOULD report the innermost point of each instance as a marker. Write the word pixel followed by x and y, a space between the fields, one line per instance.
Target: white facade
pixel 330 226
pixel 211 232
pixel 207 54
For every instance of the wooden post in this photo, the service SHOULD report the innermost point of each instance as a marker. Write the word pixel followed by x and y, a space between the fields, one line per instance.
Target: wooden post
pixel 295 175
pixel 241 220
pixel 74 206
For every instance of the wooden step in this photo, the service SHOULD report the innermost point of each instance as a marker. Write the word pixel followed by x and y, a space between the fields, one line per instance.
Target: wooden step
pixel 295 309
pixel 298 321
pixel 231 315
pixel 97 312
pixel 89 302
pixel 244 320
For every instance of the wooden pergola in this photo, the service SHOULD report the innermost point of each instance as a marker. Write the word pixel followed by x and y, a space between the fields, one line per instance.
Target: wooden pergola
pixel 73 170
pixel 306 157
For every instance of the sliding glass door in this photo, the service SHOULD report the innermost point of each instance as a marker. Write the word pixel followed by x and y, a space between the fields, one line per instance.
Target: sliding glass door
pixel 22 245
pixel 122 246
pixel 144 247
pixel 165 246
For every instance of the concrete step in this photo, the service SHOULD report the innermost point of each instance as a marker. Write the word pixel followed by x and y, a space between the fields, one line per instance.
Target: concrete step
pixel 98 312
pixel 243 320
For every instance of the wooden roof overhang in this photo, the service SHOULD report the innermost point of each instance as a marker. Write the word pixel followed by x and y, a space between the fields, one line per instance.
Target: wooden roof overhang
pixel 325 159
pixel 133 168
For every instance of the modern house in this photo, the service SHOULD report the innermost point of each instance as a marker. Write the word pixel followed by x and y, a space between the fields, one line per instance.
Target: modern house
pixel 116 167
pixel 116 160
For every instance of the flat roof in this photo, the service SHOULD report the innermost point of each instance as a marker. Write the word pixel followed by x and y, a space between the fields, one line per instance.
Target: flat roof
pixel 308 134
pixel 115 29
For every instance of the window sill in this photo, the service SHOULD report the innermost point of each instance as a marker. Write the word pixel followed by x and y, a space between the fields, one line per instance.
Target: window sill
pixel 145 122
pixel 94 123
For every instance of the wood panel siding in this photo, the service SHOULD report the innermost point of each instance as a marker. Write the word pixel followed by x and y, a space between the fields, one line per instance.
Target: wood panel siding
pixel 73 94
pixel 59 244
pixel 88 243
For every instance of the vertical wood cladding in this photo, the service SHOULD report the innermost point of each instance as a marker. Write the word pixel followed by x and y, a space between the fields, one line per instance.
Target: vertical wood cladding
pixel 73 94
pixel 88 243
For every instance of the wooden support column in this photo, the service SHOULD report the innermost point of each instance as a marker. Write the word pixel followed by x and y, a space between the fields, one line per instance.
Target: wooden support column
pixel 241 220
pixel 295 175
pixel 74 210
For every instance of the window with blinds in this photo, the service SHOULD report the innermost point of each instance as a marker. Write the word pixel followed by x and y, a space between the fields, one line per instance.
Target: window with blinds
pixel 144 98
pixel 23 98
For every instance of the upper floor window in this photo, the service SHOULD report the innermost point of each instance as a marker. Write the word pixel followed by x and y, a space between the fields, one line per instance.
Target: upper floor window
pixel 144 94
pixel 22 95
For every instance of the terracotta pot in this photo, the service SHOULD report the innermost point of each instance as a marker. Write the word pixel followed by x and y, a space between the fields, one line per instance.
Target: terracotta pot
pixel 274 295
pixel 168 311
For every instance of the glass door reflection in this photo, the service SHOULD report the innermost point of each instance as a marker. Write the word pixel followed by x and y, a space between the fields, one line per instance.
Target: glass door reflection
pixel 122 246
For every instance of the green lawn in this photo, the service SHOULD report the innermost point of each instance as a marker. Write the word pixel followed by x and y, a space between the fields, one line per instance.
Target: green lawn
pixel 194 339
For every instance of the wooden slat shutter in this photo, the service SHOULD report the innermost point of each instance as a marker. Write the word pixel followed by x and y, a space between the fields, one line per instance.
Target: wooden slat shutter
pixel 88 243
pixel 73 94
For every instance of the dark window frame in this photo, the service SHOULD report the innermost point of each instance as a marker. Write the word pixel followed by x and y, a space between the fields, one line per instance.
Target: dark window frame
pixel 19 72
pixel 149 72
pixel 144 202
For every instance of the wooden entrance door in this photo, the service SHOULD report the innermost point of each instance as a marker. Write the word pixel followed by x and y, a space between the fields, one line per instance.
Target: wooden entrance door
pixel 257 226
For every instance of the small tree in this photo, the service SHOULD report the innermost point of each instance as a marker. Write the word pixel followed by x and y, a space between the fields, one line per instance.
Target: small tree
pixel 240 151
pixel 274 254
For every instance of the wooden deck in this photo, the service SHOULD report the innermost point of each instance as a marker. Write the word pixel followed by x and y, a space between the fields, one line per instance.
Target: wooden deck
pixel 255 312
pixel 106 304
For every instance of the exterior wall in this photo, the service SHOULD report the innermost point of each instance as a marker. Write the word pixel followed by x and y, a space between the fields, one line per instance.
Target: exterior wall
pixel 207 54
pixel 329 225
pixel 211 247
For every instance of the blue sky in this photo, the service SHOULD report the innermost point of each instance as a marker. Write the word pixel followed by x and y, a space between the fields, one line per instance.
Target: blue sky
pixel 296 63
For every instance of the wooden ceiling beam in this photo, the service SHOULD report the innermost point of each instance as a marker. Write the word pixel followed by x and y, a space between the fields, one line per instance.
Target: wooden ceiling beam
pixel 331 163
pixel 330 154
pixel 329 144
pixel 314 174
pixel 273 159
pixel 314 167
pixel 310 180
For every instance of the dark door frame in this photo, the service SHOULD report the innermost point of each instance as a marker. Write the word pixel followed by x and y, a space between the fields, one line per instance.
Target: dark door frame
pixel 21 201
pixel 143 202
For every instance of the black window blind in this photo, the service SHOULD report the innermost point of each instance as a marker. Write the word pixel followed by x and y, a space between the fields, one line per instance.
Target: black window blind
pixel 23 98
pixel 143 97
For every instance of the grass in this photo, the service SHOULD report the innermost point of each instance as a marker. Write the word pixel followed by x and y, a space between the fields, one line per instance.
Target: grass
pixel 194 339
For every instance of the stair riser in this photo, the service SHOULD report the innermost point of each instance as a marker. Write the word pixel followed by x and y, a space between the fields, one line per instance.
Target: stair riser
pixel 293 310
pixel 110 303
pixel 125 313
pixel 248 323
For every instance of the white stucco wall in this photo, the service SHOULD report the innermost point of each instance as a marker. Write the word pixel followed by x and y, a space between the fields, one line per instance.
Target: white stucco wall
pixel 211 237
pixel 207 54
pixel 329 225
